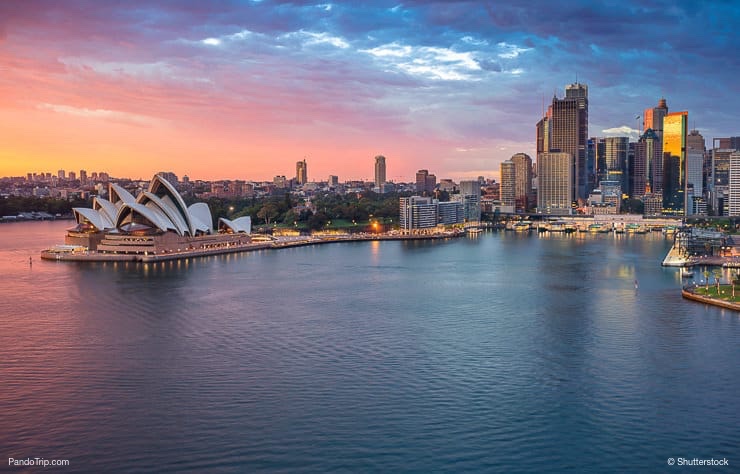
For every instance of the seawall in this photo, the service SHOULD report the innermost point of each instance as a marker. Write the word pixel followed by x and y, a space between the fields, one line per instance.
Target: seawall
pixel 688 293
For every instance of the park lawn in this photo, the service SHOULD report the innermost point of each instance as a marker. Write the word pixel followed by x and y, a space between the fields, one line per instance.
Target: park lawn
pixel 725 292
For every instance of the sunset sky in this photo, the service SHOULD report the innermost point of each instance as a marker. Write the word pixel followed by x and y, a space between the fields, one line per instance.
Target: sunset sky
pixel 243 90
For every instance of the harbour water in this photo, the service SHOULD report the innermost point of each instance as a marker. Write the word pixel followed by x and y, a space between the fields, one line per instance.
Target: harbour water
pixel 499 352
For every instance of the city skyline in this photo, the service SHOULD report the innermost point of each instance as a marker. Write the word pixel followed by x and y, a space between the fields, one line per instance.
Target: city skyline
pixel 245 90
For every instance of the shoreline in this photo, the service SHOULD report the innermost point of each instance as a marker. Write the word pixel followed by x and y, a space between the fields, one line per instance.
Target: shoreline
pixel 688 293
pixel 93 256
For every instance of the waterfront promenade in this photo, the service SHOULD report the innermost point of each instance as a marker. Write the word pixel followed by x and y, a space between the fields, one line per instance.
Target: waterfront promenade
pixel 79 254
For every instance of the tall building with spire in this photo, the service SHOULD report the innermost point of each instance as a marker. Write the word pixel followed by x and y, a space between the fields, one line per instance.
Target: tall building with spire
pixel 654 118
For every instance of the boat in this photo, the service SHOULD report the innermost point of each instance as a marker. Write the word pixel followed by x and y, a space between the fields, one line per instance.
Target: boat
pixel 633 228
pixel 523 226
pixel 686 273
pixel 597 228
pixel 473 230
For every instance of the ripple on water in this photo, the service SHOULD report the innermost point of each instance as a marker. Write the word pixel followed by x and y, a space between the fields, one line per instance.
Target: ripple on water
pixel 500 354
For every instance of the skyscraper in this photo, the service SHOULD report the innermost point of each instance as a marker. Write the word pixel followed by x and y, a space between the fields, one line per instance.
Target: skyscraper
pixel 508 184
pixel 734 188
pixel 379 171
pixel 522 180
pixel 565 127
pixel 615 154
pixel 596 158
pixel 674 162
pixel 654 118
pixel 554 187
pixel 648 170
pixel 695 148
pixel 301 172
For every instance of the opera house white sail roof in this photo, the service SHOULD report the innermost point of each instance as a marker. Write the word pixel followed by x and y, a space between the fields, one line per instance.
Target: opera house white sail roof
pixel 159 209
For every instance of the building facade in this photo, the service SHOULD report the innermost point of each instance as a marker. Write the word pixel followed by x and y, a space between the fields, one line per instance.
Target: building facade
pixel 379 171
pixel 301 172
pixel 507 188
pixel 522 181
pixel 734 188
pixel 554 191
pixel 470 194
pixel 675 127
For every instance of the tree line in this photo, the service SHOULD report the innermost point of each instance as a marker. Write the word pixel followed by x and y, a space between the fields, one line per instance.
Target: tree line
pixel 14 205
pixel 289 210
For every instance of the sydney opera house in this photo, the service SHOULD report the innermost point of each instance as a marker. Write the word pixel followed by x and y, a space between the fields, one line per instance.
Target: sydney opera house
pixel 156 222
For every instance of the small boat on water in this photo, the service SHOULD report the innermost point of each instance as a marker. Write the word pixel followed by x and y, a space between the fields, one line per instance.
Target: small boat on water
pixel 686 273
pixel 523 226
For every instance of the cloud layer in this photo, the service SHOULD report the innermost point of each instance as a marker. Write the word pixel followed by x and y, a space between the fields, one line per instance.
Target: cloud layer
pixel 246 89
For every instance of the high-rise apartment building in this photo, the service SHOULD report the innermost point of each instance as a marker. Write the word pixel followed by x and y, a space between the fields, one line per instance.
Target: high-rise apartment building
pixel 675 127
pixel 565 130
pixel 301 172
pixel 522 181
pixel 83 177
pixel 734 187
pixel 508 184
pixel 60 174
pixel 554 188
pixel 379 171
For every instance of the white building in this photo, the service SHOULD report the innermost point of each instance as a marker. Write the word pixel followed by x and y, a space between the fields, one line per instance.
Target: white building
pixel 734 188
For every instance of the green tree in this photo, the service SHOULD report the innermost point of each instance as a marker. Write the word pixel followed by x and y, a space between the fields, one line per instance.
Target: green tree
pixel 706 279
pixel 268 212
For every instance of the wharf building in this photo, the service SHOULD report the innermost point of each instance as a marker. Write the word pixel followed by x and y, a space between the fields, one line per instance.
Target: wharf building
pixel 422 213
pixel 156 222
